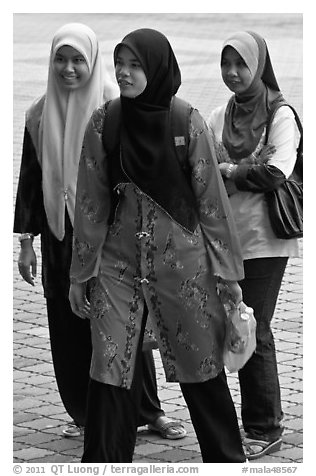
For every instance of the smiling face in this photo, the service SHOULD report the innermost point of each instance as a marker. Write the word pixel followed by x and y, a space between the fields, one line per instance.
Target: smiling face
pixel 129 73
pixel 70 68
pixel 235 73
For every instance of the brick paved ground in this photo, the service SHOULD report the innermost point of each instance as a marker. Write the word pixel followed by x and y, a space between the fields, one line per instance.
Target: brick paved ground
pixel 38 413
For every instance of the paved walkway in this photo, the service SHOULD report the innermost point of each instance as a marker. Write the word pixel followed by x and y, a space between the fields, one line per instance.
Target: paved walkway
pixel 39 415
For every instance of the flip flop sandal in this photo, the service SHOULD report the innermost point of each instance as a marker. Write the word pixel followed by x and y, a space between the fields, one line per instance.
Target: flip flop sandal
pixel 171 430
pixel 72 430
pixel 256 448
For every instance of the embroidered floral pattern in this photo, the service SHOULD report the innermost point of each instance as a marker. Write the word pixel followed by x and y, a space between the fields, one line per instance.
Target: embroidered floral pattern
pixel 165 349
pixel 203 318
pixel 209 367
pixel 195 132
pixel 198 172
pixel 210 208
pixel 83 250
pixel 100 302
pixel 89 208
pixel 183 339
pixel 91 162
pixel 109 348
pixel 192 294
pixel 122 265
pixel 193 238
pixel 130 329
pixel 98 119
pixel 135 305
pixel 221 152
pixel 219 245
pixel 169 254
pixel 150 336
pixel 116 227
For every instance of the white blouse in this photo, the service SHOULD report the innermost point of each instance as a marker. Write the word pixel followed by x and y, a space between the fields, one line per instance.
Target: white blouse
pixel 250 209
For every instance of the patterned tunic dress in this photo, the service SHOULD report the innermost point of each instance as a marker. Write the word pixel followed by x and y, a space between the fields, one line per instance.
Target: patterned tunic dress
pixel 144 256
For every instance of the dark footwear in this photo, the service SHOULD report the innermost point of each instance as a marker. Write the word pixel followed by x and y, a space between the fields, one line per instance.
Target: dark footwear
pixel 72 430
pixel 257 448
pixel 168 428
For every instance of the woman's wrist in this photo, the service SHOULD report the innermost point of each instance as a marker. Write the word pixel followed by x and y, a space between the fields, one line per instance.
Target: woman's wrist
pixel 26 236
pixel 230 170
pixel 75 282
pixel 26 240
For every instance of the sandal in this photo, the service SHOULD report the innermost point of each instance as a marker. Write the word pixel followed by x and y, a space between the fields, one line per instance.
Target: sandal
pixel 73 430
pixel 168 428
pixel 256 448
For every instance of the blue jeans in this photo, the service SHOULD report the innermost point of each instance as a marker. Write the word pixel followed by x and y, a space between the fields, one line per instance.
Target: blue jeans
pixel 261 410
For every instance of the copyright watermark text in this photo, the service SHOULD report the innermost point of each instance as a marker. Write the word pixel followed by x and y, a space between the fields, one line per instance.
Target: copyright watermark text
pixel 73 469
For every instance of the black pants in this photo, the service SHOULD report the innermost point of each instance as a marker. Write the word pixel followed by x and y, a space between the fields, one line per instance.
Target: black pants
pixel 71 348
pixel 113 415
pixel 150 408
pixel 261 410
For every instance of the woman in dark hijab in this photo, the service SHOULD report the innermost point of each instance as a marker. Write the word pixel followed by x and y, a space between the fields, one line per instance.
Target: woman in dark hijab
pixel 160 254
pixel 250 168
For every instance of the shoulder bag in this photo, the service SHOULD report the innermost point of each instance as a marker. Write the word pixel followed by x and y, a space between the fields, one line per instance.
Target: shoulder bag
pixel 285 203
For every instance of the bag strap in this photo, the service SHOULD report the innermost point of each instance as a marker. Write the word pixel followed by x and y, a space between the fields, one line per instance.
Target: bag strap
pixel 180 112
pixel 297 173
pixel 275 107
pixel 110 135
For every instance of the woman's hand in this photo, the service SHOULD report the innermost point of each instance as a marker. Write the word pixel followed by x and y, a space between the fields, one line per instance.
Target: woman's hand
pixel 27 262
pixel 78 300
pixel 226 169
pixel 266 153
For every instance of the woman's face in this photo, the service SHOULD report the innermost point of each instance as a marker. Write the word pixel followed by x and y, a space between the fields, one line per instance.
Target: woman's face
pixel 129 73
pixel 235 73
pixel 70 68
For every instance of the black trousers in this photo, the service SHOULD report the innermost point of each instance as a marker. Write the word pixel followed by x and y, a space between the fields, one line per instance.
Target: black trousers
pixel 214 419
pixel 150 408
pixel 113 416
pixel 70 340
pixel 261 409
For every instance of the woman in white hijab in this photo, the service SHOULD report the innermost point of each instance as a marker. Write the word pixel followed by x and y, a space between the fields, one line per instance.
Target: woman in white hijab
pixel 54 129
pixel 55 124
pixel 78 82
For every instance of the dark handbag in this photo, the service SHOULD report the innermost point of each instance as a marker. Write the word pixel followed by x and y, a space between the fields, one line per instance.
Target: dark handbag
pixel 285 203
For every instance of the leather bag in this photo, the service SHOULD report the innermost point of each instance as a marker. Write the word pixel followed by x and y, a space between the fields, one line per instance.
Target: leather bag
pixel 285 203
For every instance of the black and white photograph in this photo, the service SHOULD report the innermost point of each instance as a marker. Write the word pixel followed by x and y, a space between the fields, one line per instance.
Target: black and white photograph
pixel 157 241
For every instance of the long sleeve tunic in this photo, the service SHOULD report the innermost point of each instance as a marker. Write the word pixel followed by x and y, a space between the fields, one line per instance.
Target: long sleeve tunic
pixel 144 256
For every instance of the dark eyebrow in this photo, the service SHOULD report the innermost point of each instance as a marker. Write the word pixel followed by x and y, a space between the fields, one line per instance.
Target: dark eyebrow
pixel 134 59
pixel 79 55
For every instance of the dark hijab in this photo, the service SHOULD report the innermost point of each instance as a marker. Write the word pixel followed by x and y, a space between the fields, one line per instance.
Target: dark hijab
pixel 247 113
pixel 148 153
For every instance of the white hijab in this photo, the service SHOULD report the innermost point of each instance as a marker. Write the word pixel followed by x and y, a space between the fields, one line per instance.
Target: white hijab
pixel 64 119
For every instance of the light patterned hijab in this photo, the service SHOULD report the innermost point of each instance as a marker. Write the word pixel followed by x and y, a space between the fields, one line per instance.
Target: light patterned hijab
pixel 63 122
